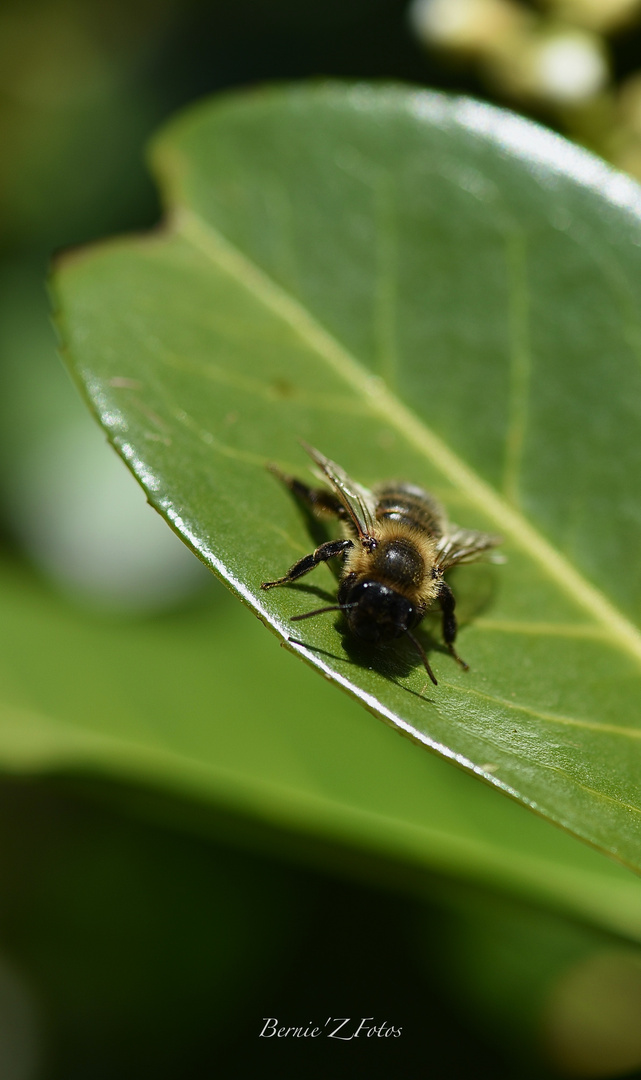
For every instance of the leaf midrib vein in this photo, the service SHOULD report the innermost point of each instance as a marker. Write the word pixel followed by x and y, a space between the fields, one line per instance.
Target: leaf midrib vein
pixel 549 717
pixel 215 246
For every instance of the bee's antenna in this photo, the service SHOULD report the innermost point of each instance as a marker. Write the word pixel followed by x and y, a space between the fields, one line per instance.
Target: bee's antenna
pixel 320 611
pixel 423 655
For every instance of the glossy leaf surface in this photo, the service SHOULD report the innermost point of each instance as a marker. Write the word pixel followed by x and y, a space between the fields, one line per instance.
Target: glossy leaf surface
pixel 426 289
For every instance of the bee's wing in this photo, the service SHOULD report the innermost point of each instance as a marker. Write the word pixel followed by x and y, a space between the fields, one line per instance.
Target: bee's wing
pixel 358 501
pixel 464 546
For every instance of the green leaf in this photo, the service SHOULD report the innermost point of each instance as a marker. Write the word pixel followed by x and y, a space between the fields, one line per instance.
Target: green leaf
pixel 166 704
pixel 423 288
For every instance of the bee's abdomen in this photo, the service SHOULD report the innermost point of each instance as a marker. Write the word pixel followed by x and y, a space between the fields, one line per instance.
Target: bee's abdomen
pixel 410 506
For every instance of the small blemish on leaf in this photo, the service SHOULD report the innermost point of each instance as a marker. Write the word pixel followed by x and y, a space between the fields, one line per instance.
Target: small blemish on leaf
pixel 121 382
pixel 386 439
pixel 283 388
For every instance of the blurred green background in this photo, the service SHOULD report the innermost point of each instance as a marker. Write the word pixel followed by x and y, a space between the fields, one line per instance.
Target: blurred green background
pixel 141 935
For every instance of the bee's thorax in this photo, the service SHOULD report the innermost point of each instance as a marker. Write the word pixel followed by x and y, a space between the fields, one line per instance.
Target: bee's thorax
pixel 403 559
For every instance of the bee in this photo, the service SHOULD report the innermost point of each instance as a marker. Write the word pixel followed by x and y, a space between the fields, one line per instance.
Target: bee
pixel 396 546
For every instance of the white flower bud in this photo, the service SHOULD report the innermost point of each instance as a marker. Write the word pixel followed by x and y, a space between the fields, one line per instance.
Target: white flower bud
pixel 465 26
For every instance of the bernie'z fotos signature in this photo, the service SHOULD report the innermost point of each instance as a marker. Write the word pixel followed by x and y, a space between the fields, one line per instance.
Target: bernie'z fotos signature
pixel 337 1027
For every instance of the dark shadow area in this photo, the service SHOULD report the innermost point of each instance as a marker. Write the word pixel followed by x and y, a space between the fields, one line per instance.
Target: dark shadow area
pixel 393 660
pixel 475 588
pixel 161 952
pixel 313 590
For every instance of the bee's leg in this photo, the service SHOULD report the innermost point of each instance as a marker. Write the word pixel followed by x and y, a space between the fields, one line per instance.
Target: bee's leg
pixel 326 551
pixel 320 501
pixel 448 603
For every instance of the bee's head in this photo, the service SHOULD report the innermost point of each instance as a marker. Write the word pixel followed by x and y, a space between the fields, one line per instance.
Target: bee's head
pixel 376 612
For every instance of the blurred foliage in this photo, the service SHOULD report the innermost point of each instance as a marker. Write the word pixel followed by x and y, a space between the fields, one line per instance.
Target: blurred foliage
pixel 157 950
pixel 138 935
pixel 572 62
